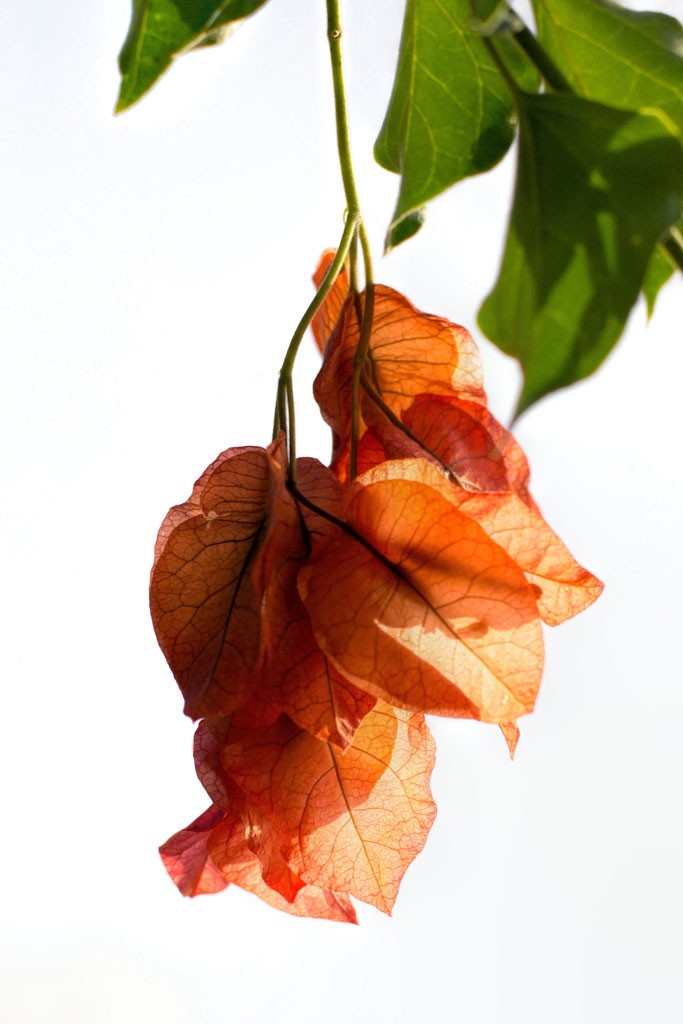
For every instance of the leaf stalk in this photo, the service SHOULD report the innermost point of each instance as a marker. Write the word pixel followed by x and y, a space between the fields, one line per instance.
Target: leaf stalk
pixel 528 42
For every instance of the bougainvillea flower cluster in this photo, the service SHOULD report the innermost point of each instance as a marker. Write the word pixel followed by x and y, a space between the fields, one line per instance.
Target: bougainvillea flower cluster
pixel 312 617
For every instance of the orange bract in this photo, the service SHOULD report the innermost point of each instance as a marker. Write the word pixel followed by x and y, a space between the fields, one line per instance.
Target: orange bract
pixel 296 676
pixel 470 442
pixel 211 853
pixel 422 605
pixel 562 587
pixel 186 856
pixel 310 620
pixel 349 820
pixel 410 353
pixel 203 603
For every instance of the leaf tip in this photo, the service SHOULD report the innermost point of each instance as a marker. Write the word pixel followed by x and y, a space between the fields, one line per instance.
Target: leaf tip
pixel 403 228
pixel 127 96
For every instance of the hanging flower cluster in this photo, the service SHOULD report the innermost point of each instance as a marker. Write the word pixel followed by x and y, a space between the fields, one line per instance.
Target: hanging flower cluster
pixel 312 616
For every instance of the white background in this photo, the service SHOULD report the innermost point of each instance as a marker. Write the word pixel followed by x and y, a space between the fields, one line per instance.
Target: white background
pixel 152 270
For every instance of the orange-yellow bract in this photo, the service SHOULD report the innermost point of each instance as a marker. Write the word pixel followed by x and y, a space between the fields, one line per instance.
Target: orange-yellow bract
pixel 311 619
pixel 424 607
pixel 203 602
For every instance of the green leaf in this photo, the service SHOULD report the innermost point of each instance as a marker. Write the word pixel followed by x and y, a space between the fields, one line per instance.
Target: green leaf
pixel 160 30
pixel 625 59
pixel 483 10
pixel 451 113
pixel 659 270
pixel 404 229
pixel 596 189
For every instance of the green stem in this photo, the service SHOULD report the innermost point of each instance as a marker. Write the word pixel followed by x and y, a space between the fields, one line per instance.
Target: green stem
pixel 353 266
pixel 277 423
pixel 358 368
pixel 285 395
pixel 334 35
pixel 503 68
pixel 291 432
pixel 280 410
pixel 506 21
pixel 537 55
pixel 323 291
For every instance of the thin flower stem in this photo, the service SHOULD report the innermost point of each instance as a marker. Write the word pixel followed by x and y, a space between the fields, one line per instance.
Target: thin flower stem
pixel 353 266
pixel 334 35
pixel 537 55
pixel 280 412
pixel 291 432
pixel 277 425
pixel 358 367
pixel 350 228
pixel 285 395
pixel 354 233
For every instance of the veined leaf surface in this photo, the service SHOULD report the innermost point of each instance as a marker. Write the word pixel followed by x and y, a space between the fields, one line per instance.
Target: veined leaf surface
pixel 596 188
pixel 160 30
pixel 451 113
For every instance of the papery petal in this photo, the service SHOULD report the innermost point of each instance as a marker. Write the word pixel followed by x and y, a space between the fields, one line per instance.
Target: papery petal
pixel 213 735
pixel 203 604
pixel 186 857
pixel 416 353
pixel 510 731
pixel 420 606
pixel 241 866
pixel 349 820
pixel 563 588
pixel 211 853
pixel 294 674
pixel 467 439
pixel 410 353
